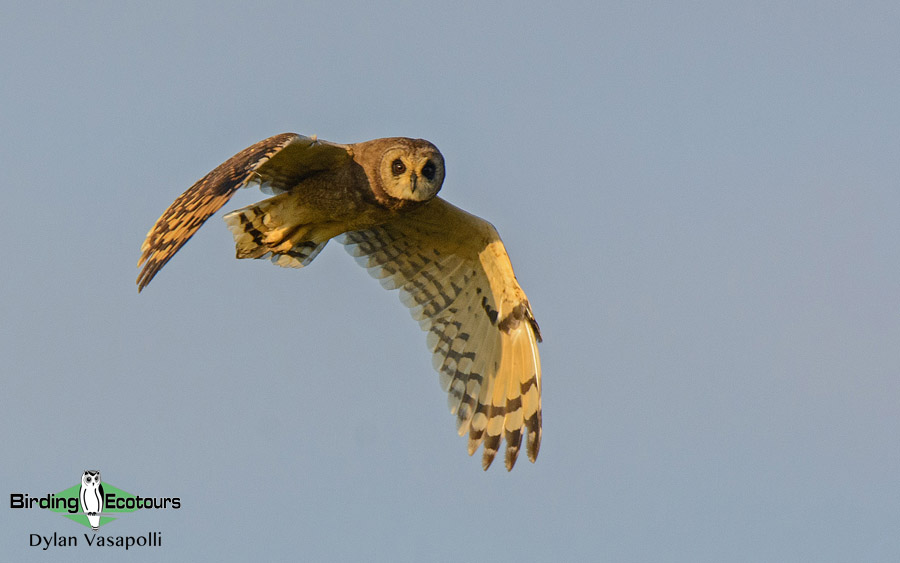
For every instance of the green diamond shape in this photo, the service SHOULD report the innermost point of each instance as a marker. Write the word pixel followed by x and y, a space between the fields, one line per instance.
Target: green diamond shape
pixel 72 492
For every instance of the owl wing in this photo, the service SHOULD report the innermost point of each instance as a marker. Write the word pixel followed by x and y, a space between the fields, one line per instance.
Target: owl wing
pixel 102 498
pixel 276 165
pixel 454 274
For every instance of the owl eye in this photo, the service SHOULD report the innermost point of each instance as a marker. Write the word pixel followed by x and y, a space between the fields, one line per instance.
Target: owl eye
pixel 397 167
pixel 428 170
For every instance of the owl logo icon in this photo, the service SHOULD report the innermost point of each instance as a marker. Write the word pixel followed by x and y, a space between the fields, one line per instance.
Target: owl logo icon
pixel 91 497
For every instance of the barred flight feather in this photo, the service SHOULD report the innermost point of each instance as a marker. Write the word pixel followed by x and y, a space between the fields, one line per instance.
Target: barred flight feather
pixel 485 355
pixel 275 165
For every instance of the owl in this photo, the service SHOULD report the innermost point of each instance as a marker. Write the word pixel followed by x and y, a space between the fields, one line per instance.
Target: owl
pixel 91 495
pixel 379 199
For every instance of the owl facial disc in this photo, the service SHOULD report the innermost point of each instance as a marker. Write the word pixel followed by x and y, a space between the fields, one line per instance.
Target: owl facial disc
pixel 412 171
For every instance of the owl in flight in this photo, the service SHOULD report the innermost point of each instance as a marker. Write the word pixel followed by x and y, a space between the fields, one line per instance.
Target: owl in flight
pixel 379 199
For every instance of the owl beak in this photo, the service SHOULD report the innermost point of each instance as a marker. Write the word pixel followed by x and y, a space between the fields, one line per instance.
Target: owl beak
pixel 413 180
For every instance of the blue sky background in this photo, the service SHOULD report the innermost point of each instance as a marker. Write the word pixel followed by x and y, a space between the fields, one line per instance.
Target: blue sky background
pixel 701 200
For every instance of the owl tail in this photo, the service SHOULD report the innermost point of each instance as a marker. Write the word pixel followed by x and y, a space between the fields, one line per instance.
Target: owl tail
pixel 275 230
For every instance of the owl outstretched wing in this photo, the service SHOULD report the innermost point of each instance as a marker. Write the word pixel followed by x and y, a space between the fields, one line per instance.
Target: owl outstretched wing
pixel 276 164
pixel 454 274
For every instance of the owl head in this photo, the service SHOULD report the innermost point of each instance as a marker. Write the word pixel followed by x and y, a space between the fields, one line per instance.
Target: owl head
pixel 407 170
pixel 91 477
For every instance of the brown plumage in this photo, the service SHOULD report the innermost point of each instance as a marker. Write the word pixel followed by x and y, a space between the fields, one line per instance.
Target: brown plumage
pixel 378 198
